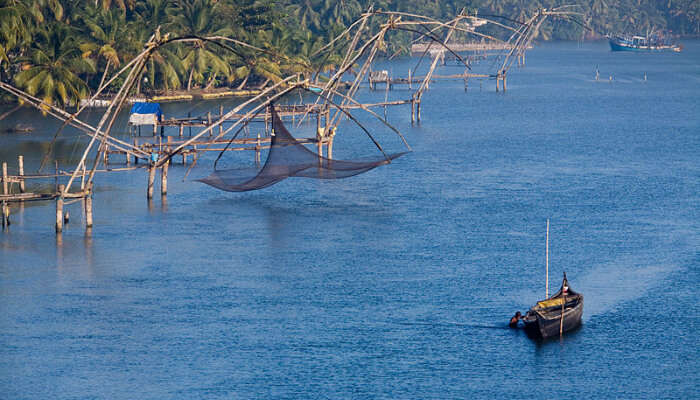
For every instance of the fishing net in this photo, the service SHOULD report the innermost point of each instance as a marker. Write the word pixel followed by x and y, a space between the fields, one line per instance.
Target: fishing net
pixel 289 158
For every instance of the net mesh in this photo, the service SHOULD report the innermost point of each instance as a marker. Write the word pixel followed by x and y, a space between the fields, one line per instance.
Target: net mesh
pixel 289 158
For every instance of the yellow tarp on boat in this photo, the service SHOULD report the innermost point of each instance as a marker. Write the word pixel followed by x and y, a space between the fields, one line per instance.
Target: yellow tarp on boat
pixel 550 302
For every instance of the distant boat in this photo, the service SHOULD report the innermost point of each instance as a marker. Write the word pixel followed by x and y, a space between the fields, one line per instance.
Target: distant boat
pixel 557 314
pixel 642 43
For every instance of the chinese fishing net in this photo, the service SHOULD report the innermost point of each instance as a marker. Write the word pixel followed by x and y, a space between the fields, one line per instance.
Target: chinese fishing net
pixel 289 158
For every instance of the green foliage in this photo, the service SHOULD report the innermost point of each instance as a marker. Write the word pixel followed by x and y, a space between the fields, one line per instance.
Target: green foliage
pixel 62 50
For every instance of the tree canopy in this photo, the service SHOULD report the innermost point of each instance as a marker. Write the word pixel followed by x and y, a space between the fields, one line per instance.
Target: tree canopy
pixel 63 50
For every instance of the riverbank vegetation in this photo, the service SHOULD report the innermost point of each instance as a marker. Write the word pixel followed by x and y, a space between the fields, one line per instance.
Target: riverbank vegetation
pixel 61 50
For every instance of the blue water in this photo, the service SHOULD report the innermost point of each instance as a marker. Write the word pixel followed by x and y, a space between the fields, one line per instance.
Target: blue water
pixel 393 284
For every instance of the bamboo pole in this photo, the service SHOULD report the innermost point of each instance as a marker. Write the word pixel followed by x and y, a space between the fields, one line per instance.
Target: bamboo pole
pixel 546 288
pixel 59 208
pixel 121 95
pixel 5 214
pixel 20 161
pixel 88 206
pixel 5 187
pixel 66 117
pixel 266 93
pixel 257 151
pixel 151 179
pixel 164 179
pixel 428 76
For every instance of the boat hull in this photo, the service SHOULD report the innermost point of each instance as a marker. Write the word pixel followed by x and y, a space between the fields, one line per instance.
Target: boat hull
pixel 546 325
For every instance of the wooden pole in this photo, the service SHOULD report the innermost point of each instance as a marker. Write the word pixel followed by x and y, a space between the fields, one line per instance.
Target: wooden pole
pixel 88 206
pixel 330 143
pixel 82 178
pixel 59 209
pixel 546 287
pixel 257 151
pixel 180 130
pixel 164 179
pixel 136 144
pixel 504 81
pixel 413 111
pixel 151 178
pixel 20 160
pixel 209 121
pixel 5 214
pixel 5 187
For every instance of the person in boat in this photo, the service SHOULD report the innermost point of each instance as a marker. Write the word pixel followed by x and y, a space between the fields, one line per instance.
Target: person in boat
pixel 514 321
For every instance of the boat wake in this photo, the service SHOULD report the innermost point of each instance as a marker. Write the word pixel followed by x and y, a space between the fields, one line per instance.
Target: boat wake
pixel 452 325
pixel 609 286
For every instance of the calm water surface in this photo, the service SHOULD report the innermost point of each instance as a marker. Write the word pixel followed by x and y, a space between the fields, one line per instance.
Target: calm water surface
pixel 393 284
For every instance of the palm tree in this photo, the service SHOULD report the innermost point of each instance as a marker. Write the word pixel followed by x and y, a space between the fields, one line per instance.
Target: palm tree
pixel 53 64
pixel 108 30
pixel 164 68
pixel 199 18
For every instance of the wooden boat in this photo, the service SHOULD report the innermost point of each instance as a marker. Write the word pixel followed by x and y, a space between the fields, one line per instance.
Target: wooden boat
pixel 557 314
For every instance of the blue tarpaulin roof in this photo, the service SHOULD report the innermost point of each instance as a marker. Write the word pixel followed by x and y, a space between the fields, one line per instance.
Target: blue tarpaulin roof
pixel 146 108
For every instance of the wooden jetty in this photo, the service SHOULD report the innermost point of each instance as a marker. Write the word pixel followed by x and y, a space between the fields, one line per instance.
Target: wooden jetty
pixel 14 191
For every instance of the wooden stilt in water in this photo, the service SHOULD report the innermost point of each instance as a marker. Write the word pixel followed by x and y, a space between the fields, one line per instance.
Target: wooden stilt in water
pixel 330 143
pixel 20 161
pixel 88 206
pixel 136 144
pixel 5 214
pixel 82 177
pixel 504 81
pixel 5 187
pixel 221 115
pixel 180 130
pixel 257 151
pixel 164 179
pixel 59 209
pixel 413 111
pixel 209 121
pixel 151 178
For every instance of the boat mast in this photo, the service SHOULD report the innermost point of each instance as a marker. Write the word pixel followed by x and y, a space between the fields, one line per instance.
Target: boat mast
pixel 546 287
